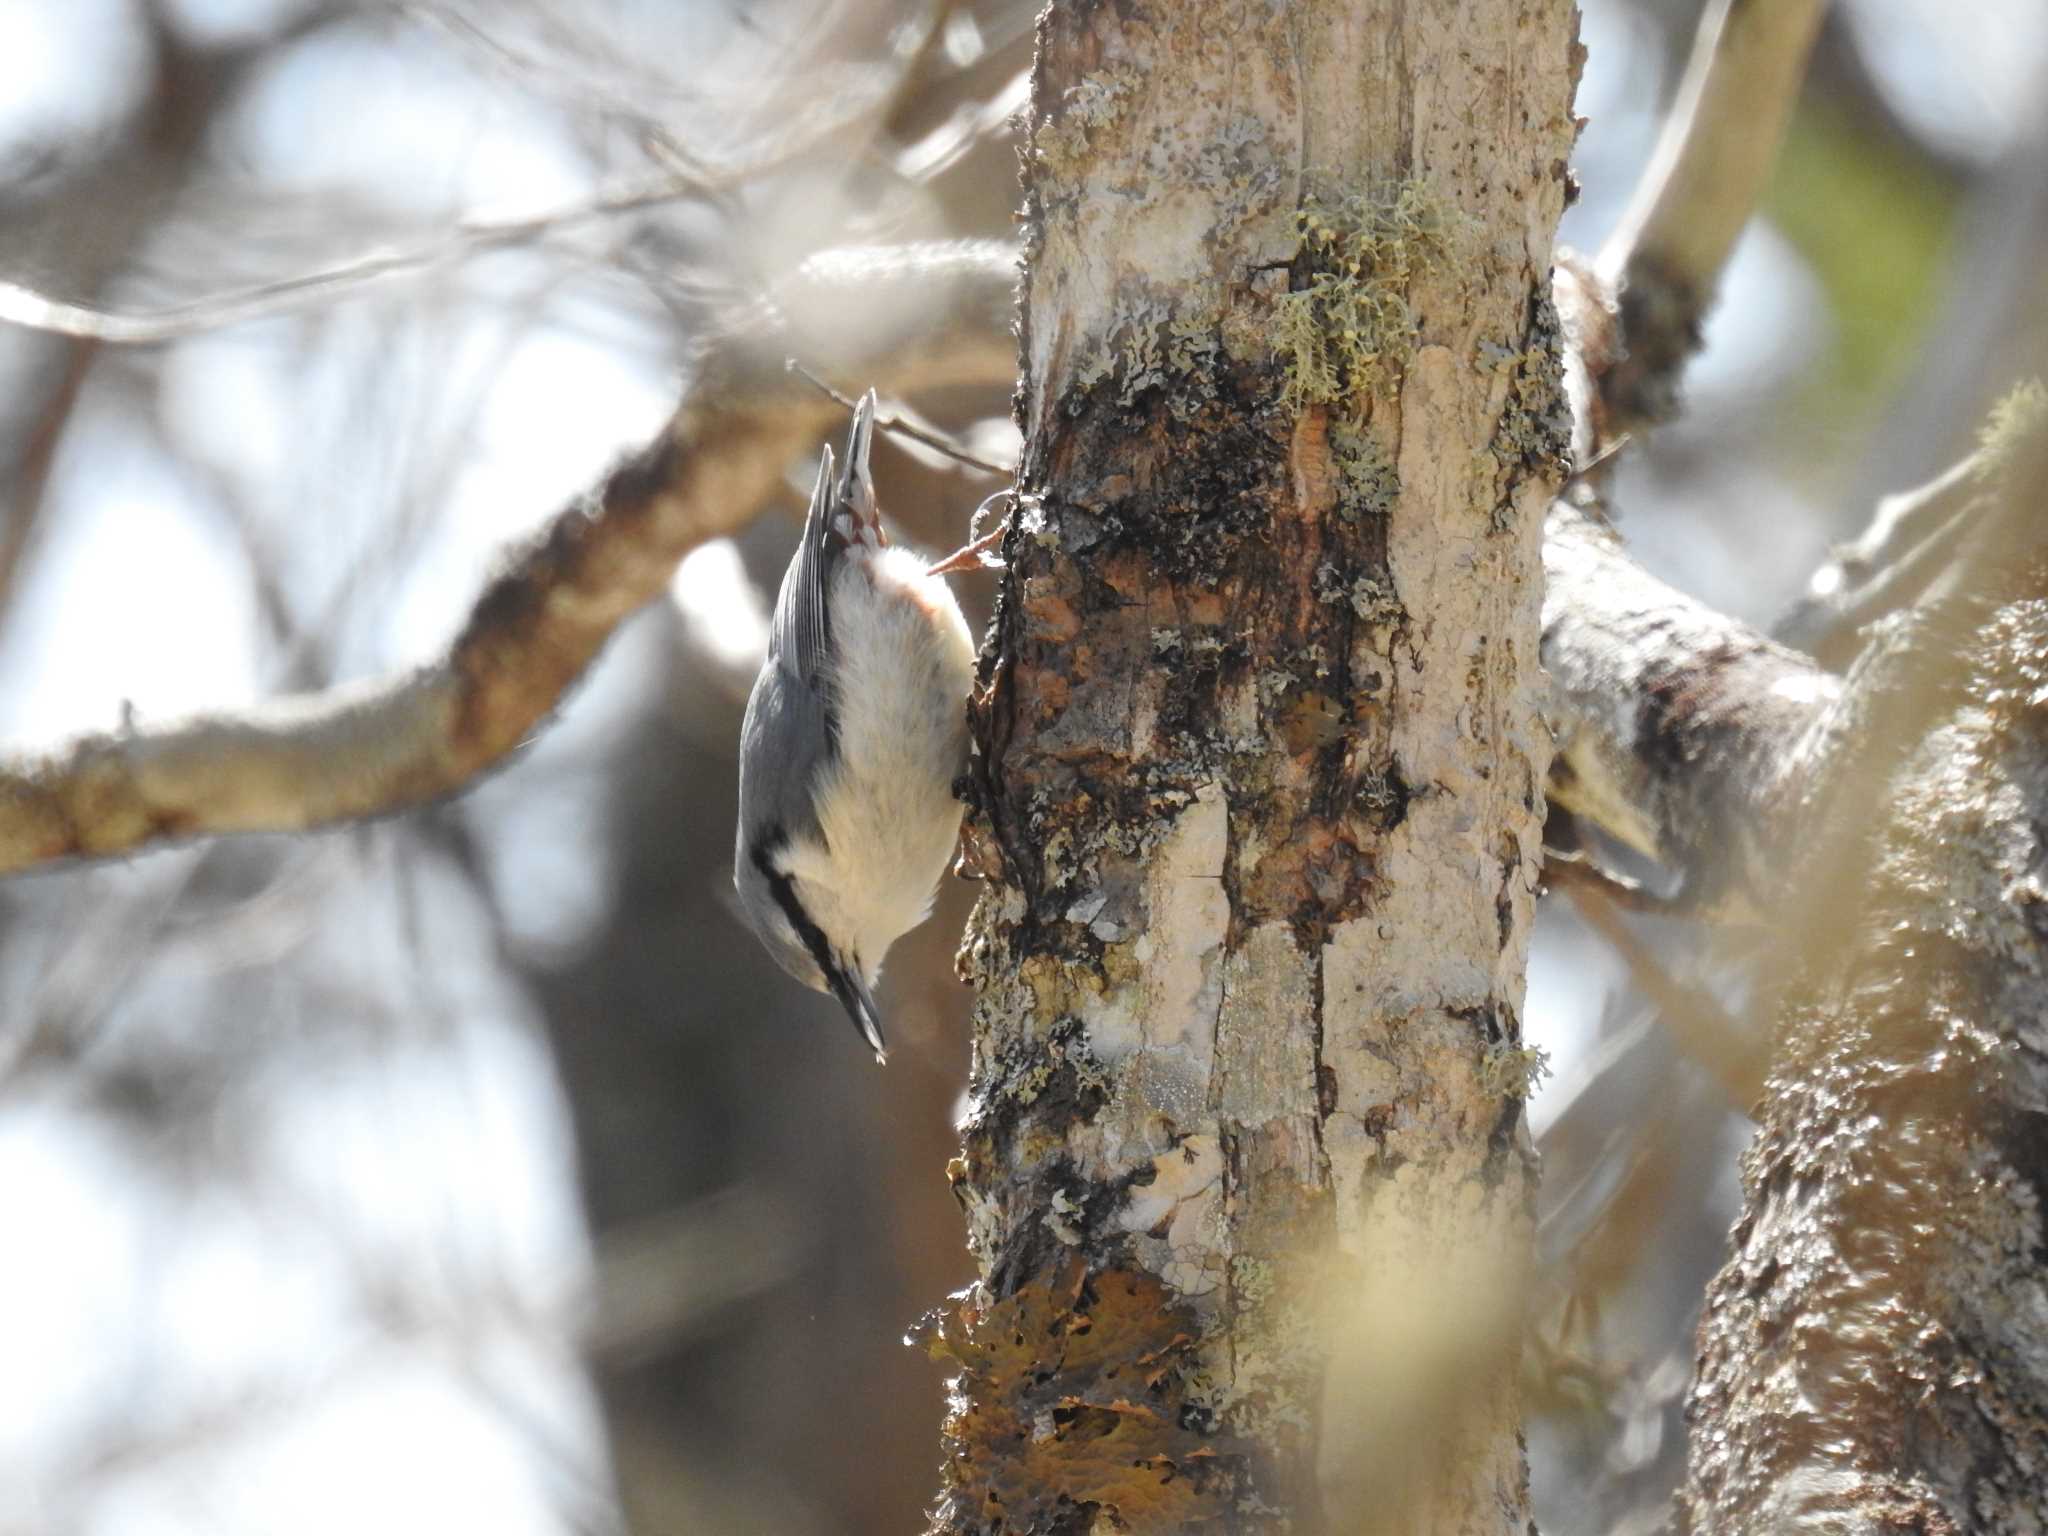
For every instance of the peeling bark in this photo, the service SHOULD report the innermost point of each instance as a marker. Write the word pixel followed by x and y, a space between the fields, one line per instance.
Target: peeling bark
pixel 1259 777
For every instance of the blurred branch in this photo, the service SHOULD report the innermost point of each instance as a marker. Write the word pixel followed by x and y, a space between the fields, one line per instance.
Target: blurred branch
pixel 1572 871
pixel 1748 768
pixel 89 226
pixel 1702 743
pixel 660 1280
pixel 553 75
pixel 1913 672
pixel 372 748
pixel 31 476
pixel 686 176
pixel 1704 1030
pixel 1663 263
pixel 1900 1132
pixel 1678 728
pixel 1911 539
pixel 25 307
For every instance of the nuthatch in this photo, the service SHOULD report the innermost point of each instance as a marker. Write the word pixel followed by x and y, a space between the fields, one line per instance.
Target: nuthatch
pixel 854 733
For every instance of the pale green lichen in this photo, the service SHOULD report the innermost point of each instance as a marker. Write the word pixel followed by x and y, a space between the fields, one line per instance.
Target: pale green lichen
pixel 1023 1070
pixel 1150 345
pixel 1536 427
pixel 1227 159
pixel 1251 1280
pixel 1059 1221
pixel 1098 100
pixel 1155 341
pixel 1243 177
pixel 2019 414
pixel 1274 683
pixel 1128 352
pixel 1534 433
pixel 1377 796
pixel 1092 105
pixel 1347 334
pixel 1512 1071
pixel 1192 353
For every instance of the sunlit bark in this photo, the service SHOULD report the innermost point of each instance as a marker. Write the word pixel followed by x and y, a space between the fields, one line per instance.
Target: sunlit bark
pixel 1259 792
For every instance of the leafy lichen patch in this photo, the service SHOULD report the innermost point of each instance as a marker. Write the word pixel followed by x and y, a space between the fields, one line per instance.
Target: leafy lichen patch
pixel 1368 484
pixel 1095 104
pixel 1082 1408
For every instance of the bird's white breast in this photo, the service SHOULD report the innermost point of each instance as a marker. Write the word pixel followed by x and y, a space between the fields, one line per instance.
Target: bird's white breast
pixel 904 665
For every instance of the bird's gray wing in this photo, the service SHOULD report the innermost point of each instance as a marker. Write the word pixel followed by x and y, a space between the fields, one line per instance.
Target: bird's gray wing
pixel 799 640
pixel 783 743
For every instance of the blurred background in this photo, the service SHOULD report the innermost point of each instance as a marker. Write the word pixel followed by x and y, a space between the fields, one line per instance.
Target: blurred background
pixel 470 1170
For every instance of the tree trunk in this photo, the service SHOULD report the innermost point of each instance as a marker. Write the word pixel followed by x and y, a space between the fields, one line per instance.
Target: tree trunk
pixel 1259 777
pixel 1874 1356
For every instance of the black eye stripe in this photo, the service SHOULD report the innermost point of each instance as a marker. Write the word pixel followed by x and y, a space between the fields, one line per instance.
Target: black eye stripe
pixel 783 888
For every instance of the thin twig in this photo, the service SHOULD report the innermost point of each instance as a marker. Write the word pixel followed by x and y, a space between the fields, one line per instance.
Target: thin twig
pixel 1912 538
pixel 23 306
pixel 1703 1029
pixel 1599 461
pixel 548 76
pixel 1579 872
pixel 902 428
pixel 39 455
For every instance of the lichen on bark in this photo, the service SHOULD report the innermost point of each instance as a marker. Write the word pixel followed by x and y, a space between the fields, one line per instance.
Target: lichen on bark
pixel 1257 782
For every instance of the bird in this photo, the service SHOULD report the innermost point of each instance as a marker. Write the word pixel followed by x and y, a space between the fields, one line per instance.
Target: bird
pixel 854 733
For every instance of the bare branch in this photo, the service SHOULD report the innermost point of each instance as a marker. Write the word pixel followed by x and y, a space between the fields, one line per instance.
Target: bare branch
pixel 1664 262
pixel 31 476
pixel 369 749
pixel 299 762
pixel 1678 728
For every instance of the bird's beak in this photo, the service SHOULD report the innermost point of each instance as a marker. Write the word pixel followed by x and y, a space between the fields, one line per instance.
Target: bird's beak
pixel 857 481
pixel 852 991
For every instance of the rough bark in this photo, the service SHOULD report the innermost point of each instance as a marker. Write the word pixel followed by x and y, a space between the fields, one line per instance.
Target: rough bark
pixel 1259 778
pixel 1874 1357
